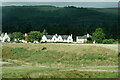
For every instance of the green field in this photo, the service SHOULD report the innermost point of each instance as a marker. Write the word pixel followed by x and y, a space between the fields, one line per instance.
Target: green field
pixel 58 60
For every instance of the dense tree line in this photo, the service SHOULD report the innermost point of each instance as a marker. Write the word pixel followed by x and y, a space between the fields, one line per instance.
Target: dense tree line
pixel 67 20
pixel 111 32
pixel 36 36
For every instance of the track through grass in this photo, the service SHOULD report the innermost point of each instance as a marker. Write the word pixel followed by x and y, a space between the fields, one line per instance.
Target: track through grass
pixel 58 61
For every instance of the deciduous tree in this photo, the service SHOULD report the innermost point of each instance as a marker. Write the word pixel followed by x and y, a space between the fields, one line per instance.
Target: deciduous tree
pixel 17 35
pixel 34 36
pixel 98 35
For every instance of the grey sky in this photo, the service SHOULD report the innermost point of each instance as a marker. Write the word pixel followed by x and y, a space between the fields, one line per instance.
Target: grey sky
pixel 60 0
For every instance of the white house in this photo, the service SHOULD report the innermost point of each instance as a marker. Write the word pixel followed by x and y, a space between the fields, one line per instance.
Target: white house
pixel 82 39
pixel 23 41
pixel 4 38
pixel 57 38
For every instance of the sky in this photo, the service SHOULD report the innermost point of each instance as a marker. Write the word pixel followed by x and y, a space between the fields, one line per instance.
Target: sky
pixel 60 0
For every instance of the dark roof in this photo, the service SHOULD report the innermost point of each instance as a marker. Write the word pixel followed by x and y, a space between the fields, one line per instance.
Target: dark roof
pixel 64 36
pixel 49 36
pixel 84 37
pixel 90 36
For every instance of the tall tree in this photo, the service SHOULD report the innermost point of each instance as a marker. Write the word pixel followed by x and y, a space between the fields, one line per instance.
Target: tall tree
pixel 34 36
pixel 17 35
pixel 98 35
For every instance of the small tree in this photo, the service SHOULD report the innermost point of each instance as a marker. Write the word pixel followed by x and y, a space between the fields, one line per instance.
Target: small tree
pixel 98 35
pixel 44 32
pixel 17 35
pixel 34 36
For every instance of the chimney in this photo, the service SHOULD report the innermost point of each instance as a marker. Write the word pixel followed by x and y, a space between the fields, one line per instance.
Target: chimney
pixel 25 34
pixel 56 34
pixel 5 33
pixel 88 35
pixel 77 39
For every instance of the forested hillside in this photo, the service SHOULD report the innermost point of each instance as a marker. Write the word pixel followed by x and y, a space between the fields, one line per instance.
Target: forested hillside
pixel 61 20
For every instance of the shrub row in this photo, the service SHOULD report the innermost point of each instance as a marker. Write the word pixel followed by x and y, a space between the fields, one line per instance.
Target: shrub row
pixel 108 41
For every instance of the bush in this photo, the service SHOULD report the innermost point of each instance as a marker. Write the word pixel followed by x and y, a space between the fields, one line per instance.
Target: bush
pixel 44 48
pixel 34 36
pixel 17 35
pixel 85 41
pixel 108 41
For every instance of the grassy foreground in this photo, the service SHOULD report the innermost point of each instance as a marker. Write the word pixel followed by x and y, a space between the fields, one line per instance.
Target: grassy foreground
pixel 57 60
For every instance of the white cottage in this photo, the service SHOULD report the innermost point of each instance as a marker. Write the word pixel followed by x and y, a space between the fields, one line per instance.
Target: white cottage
pixel 57 38
pixel 83 39
pixel 23 41
pixel 49 38
pixel 4 38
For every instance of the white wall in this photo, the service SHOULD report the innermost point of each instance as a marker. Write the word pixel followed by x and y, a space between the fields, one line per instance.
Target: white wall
pixel 55 39
pixel 44 38
pixel 80 40
pixel 5 38
pixel 70 39
pixel 59 39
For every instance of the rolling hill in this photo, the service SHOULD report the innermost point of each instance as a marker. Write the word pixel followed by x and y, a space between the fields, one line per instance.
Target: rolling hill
pixel 61 20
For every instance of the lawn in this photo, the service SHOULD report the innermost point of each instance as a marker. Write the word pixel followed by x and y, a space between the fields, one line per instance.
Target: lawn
pixel 58 60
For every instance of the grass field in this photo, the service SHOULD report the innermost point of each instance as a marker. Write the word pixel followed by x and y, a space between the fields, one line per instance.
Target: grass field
pixel 59 60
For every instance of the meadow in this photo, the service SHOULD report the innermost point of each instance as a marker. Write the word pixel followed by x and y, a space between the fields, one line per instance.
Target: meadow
pixel 59 60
